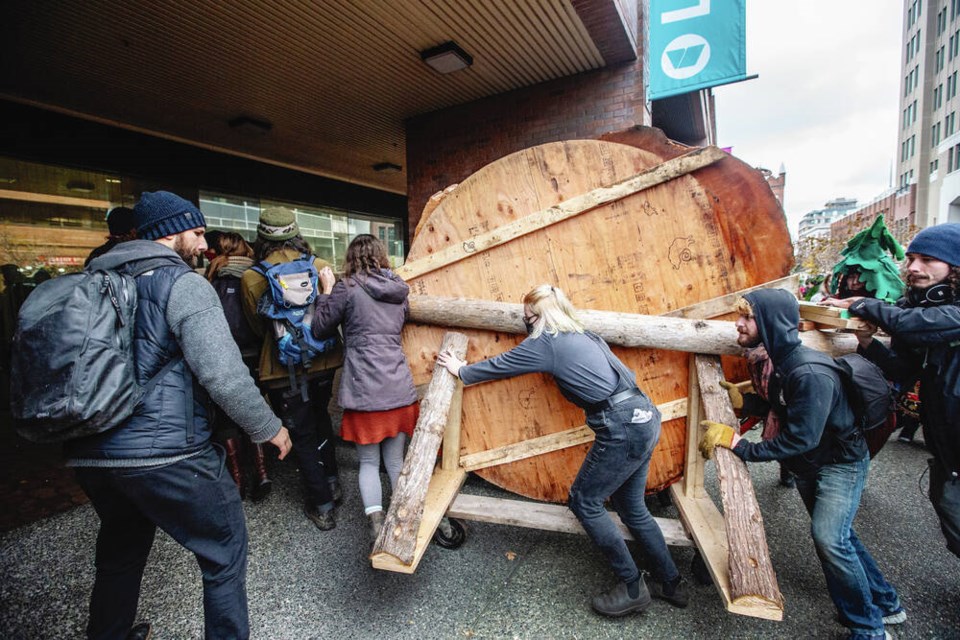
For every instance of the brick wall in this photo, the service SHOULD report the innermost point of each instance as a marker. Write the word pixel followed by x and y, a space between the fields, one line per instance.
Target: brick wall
pixel 444 147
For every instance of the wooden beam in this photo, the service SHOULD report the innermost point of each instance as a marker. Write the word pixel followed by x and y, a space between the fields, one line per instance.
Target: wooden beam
pixel 664 172
pixel 548 517
pixel 444 486
pixel 753 582
pixel 552 442
pixel 723 305
pixel 451 433
pixel 693 462
pixel 714 337
pixel 401 527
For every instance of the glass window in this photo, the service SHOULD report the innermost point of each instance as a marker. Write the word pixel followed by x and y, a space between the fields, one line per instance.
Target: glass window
pixel 328 230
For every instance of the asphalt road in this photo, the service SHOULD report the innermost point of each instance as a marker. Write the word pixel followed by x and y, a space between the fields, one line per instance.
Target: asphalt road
pixel 504 582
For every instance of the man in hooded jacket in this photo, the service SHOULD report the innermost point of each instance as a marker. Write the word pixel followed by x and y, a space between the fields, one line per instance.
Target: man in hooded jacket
pixel 820 443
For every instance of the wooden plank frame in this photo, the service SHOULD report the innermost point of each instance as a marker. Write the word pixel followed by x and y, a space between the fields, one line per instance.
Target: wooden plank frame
pixel 704 525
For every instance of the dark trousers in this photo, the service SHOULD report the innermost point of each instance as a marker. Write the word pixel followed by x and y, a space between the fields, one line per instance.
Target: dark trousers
pixel 945 497
pixel 311 433
pixel 198 505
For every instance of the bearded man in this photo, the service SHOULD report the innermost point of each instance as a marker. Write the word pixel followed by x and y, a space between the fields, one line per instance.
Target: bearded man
pixel 924 327
pixel 159 468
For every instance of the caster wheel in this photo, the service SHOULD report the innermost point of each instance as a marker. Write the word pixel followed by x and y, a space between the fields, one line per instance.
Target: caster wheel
pixel 699 569
pixel 450 534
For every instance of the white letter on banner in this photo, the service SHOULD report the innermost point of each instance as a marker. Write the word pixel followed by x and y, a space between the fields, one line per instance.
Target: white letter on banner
pixel 702 9
pixel 684 44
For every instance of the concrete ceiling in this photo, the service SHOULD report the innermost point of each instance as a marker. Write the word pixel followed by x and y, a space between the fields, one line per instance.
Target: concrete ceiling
pixel 334 80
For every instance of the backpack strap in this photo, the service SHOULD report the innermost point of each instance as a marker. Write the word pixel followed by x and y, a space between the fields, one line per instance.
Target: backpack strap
pixel 262 267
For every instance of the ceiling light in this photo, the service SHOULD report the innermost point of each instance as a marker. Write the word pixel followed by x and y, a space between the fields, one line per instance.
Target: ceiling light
pixel 249 124
pixel 387 167
pixel 79 186
pixel 447 57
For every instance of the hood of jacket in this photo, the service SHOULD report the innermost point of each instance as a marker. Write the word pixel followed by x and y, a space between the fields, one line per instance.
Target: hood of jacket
pixel 778 319
pixel 134 251
pixel 385 286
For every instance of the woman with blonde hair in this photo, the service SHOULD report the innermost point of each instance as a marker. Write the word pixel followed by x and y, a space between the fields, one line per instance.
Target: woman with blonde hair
pixel 626 425
pixel 376 391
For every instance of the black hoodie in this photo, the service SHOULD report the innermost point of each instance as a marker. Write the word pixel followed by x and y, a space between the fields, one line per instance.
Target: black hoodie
pixel 816 421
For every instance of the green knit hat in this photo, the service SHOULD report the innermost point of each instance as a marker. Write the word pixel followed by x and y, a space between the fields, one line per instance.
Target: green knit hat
pixel 277 224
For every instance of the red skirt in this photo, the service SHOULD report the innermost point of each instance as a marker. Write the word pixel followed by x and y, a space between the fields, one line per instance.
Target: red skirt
pixel 371 427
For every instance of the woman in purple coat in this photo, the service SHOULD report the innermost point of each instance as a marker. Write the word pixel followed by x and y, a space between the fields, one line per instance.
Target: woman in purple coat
pixel 376 388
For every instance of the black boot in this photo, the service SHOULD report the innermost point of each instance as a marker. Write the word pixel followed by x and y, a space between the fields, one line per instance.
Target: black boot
pixel 232 447
pixel 786 478
pixel 261 483
pixel 619 602
pixel 141 631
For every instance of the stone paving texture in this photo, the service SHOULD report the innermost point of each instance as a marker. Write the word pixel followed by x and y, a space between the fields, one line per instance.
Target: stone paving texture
pixel 504 582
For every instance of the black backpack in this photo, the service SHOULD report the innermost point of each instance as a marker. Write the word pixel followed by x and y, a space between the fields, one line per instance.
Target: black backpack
pixel 871 396
pixel 72 366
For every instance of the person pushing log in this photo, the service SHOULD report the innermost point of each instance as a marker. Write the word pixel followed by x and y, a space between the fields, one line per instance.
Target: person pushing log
pixel 626 424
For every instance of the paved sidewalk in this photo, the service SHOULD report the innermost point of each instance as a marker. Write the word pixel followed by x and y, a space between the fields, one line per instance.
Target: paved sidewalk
pixel 504 582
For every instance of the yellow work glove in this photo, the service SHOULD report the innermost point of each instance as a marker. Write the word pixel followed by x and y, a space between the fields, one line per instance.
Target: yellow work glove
pixel 736 398
pixel 717 435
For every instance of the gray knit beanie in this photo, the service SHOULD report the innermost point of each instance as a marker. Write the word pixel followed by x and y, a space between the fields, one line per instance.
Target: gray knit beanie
pixel 161 213
pixel 277 224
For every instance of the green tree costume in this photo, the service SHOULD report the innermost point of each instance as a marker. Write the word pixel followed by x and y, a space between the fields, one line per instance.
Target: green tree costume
pixel 869 252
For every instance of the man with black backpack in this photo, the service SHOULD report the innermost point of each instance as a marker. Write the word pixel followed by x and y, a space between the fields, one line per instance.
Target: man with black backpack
pixel 822 445
pixel 296 370
pixel 158 468
pixel 924 327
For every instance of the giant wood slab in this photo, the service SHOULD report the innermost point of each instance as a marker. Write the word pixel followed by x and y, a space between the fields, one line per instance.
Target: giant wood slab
pixel 658 249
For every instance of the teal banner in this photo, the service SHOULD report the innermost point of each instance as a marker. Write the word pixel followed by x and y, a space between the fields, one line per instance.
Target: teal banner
pixel 696 44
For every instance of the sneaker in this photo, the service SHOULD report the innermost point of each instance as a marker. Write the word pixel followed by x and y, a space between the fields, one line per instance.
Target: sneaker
pixel 323 521
pixel 905 439
pixel 897 617
pixel 678 598
pixel 617 602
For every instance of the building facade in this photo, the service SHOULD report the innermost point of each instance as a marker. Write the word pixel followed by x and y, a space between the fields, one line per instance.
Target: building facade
pixel 816 223
pixel 928 151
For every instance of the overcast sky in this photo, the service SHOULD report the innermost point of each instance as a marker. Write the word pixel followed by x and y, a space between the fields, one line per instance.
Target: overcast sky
pixel 826 102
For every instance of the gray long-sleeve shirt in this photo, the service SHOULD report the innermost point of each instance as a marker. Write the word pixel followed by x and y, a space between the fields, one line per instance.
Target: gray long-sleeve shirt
pixel 576 361
pixel 196 319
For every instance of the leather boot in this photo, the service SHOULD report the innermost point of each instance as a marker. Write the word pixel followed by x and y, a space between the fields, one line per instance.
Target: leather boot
pixel 232 447
pixel 376 523
pixel 261 483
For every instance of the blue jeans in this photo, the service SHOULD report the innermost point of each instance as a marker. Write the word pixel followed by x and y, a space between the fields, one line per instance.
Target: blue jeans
pixel 199 506
pixel 945 496
pixel 858 589
pixel 616 467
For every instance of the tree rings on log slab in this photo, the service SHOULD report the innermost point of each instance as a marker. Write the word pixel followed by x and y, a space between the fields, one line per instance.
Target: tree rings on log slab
pixel 692 238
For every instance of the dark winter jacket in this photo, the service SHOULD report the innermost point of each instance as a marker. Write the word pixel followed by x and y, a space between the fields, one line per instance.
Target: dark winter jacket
pixel 924 345
pixel 178 319
pixel 816 421
pixel 230 291
pixel 371 309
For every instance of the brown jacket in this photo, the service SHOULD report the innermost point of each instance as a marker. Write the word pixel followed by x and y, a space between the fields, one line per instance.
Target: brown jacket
pixel 272 373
